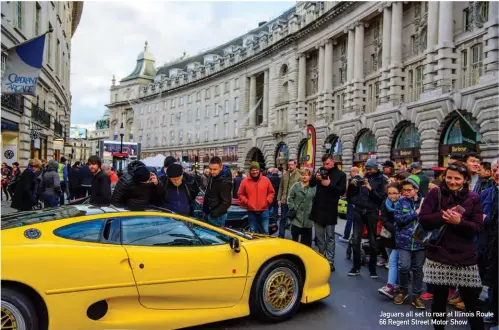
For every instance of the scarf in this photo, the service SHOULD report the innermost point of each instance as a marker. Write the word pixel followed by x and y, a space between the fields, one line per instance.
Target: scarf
pixel 390 206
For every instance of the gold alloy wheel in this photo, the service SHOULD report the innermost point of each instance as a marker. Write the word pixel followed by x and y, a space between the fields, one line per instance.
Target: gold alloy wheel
pixel 11 317
pixel 280 291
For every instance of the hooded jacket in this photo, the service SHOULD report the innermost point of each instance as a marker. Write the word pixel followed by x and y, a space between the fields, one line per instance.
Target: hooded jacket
pixel 50 181
pixel 406 220
pixel 131 193
pixel 456 247
pixel 256 195
pixel 218 196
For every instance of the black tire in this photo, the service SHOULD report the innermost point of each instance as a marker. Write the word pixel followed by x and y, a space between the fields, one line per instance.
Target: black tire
pixel 259 306
pixel 18 306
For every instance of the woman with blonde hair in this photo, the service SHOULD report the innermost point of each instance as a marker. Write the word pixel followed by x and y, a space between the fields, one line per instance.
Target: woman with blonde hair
pixel 300 200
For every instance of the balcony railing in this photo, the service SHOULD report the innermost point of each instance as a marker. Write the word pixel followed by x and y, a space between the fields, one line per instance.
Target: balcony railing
pixel 58 129
pixel 40 116
pixel 13 102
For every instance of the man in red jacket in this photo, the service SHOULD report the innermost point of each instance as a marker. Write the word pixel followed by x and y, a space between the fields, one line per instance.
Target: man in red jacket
pixel 256 194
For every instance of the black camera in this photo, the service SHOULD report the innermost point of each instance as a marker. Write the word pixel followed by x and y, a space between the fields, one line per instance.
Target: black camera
pixel 324 173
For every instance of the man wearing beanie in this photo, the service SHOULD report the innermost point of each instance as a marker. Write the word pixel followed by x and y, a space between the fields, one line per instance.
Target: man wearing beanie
pixel 411 253
pixel 256 194
pixel 370 196
pixel 218 195
pixel 168 161
pixel 138 187
pixel 179 190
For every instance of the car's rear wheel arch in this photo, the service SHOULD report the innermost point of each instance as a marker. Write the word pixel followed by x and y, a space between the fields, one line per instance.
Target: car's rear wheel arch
pixel 35 298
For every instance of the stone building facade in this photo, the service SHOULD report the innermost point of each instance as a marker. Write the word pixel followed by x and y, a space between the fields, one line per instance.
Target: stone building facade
pixel 37 127
pixel 390 80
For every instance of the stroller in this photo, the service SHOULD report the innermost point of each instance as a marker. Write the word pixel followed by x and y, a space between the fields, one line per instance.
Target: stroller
pixel 365 248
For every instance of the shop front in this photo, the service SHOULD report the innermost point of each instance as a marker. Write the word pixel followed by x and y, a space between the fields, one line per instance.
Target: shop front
pixel 10 141
pixel 39 147
pixel 365 148
pixel 459 138
pixel 406 145
pixel 282 156
pixel 333 146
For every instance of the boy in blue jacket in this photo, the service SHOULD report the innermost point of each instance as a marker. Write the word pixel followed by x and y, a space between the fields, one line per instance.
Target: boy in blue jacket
pixel 411 253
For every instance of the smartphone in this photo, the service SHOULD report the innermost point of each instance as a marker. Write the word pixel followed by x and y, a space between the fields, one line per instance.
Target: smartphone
pixel 459 209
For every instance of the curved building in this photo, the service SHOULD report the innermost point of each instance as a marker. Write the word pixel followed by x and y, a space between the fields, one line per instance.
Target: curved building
pixel 391 80
pixel 38 127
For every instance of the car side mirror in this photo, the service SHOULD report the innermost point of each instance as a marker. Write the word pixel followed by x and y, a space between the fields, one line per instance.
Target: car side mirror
pixel 235 244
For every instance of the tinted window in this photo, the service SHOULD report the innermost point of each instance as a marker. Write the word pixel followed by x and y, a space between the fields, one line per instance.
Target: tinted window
pixel 157 231
pixel 207 236
pixel 88 231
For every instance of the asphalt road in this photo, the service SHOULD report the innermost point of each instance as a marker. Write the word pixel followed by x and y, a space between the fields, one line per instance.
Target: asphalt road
pixel 354 304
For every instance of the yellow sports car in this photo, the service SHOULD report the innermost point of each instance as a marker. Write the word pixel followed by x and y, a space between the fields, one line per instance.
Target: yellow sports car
pixel 84 267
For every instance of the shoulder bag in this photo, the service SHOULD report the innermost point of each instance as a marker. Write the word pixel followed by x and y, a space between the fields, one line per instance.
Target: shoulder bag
pixel 430 237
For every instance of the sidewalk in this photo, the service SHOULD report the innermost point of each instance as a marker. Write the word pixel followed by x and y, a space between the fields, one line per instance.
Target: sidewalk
pixel 6 207
pixel 340 227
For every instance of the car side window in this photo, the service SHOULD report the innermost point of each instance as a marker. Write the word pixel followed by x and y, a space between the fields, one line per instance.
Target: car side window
pixel 207 236
pixel 86 231
pixel 156 231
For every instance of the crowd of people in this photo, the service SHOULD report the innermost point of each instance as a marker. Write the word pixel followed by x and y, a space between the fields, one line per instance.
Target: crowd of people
pixel 443 230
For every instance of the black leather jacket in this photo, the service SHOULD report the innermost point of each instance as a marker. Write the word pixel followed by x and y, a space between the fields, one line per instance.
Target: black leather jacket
pixel 129 192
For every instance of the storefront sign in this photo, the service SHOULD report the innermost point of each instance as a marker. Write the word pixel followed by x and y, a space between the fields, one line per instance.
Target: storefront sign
pixel 457 149
pixel 405 153
pixel 8 125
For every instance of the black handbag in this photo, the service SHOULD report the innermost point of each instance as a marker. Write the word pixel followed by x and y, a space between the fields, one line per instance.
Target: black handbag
pixel 430 237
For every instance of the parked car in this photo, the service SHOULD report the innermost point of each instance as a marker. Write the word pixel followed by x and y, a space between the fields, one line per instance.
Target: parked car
pixel 89 267
pixel 237 217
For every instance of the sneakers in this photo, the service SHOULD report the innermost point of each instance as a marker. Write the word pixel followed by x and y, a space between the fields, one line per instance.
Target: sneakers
pixel 343 239
pixel 418 302
pixel 489 320
pixel 373 274
pixel 387 266
pixel 427 296
pixel 354 272
pixel 460 306
pixel 388 290
pixel 381 262
pixel 400 298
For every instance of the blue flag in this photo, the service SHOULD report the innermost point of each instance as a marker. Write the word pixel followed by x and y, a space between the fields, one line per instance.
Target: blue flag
pixel 23 66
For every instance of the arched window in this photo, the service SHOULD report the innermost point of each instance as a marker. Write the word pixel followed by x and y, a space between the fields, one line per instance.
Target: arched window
pixel 453 134
pixel 366 142
pixel 407 138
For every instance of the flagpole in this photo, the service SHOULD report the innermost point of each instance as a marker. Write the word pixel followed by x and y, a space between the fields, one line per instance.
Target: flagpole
pixel 24 42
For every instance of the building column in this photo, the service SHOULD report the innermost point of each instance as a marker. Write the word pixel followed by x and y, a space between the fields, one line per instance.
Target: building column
pixel 358 80
pixel 321 70
pixel 252 102
pixel 491 42
pixel 431 41
pixel 302 79
pixel 385 54
pixel 396 75
pixel 328 80
pixel 350 54
pixel 265 96
pixel 445 47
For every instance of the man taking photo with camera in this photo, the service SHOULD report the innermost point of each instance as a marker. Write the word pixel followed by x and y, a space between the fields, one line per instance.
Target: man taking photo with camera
pixel 331 184
pixel 371 193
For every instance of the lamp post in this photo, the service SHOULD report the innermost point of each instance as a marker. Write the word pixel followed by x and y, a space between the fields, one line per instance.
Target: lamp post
pixel 122 134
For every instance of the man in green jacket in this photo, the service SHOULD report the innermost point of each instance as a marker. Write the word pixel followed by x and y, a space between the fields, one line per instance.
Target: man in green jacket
pixel 288 179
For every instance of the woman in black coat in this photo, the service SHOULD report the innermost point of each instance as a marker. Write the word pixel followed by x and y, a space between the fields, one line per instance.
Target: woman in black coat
pixel 25 195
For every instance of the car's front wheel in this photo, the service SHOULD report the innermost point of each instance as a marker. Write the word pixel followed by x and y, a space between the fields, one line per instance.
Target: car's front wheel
pixel 277 291
pixel 18 313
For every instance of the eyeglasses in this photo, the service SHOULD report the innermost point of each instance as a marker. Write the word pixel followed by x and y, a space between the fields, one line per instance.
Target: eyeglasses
pixel 458 168
pixel 407 190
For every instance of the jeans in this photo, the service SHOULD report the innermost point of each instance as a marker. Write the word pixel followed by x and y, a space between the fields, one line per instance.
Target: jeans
pixel 470 299
pixel 273 209
pixel 50 200
pixel 219 222
pixel 283 220
pixel 411 260
pixel 259 221
pixel 392 266
pixel 302 235
pixel 360 219
pixel 326 241
pixel 348 226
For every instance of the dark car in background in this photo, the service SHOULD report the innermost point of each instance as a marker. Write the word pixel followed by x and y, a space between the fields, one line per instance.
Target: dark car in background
pixel 237 217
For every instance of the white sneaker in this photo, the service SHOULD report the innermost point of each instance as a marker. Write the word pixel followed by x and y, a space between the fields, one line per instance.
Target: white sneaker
pixel 343 239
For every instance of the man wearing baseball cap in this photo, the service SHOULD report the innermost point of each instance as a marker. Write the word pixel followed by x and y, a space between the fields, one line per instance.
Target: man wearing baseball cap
pixel 179 190
pixel 168 161
pixel 416 169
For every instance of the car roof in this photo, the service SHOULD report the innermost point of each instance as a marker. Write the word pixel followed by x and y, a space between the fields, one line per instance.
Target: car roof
pixel 25 218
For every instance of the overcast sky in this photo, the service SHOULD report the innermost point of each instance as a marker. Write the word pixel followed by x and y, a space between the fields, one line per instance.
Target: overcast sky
pixel 111 35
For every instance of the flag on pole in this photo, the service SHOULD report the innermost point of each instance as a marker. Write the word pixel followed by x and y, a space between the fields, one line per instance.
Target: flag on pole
pixel 23 66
